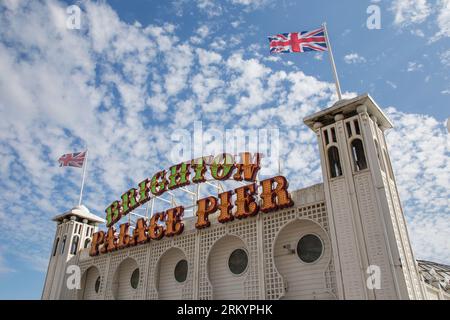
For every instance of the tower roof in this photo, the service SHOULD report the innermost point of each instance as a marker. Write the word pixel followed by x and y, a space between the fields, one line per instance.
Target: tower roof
pixel 81 212
pixel 349 106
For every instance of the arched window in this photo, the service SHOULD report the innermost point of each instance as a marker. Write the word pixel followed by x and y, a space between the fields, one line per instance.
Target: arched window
pixel 334 162
pixel 134 280
pixel 238 261
pixel 56 246
pixel 73 249
pixel 309 248
pixel 359 158
pixel 181 271
pixel 87 242
pixel 63 246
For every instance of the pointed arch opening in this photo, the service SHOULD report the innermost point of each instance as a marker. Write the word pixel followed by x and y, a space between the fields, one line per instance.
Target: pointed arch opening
pixel 74 247
pixel 358 155
pixel 334 162
pixel 55 248
pixel 63 245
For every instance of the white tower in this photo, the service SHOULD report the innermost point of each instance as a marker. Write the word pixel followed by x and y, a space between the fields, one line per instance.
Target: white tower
pixel 73 232
pixel 368 228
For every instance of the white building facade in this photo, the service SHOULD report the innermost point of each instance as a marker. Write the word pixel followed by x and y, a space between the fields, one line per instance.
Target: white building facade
pixel 345 238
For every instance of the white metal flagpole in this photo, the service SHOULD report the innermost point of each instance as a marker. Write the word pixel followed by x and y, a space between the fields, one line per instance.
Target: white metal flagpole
pixel 333 65
pixel 84 174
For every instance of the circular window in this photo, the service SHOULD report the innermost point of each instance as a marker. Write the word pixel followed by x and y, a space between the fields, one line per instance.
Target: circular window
pixel 238 261
pixel 181 270
pixel 309 248
pixel 134 281
pixel 97 285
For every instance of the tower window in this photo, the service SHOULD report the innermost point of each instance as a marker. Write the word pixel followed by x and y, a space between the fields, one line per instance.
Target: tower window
pixel 63 246
pixel 334 162
pixel 134 281
pixel 359 158
pixel 327 140
pixel 349 129
pixel 56 246
pixel 73 249
pixel 309 248
pixel 87 242
pixel 333 135
pixel 238 261
pixel 356 123
pixel 181 270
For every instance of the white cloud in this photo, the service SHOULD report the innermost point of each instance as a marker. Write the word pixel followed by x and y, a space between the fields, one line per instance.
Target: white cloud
pixel 54 101
pixel 354 58
pixel 236 23
pixel 392 84
pixel 210 7
pixel 418 32
pixel 215 8
pixel 419 147
pixel 414 66
pixel 318 56
pixel 409 12
pixel 201 33
pixel 179 62
pixel 443 19
pixel 445 58
pixel 250 3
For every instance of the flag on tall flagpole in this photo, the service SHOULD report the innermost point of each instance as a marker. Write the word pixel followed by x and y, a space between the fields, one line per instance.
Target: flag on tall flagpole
pixel 298 41
pixel 72 159
pixel 316 40
pixel 78 160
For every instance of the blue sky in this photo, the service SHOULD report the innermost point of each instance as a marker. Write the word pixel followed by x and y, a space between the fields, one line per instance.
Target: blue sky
pixel 138 70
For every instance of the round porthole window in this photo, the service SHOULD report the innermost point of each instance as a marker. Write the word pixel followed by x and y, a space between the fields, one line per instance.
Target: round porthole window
pixel 97 285
pixel 309 248
pixel 238 261
pixel 181 271
pixel 134 281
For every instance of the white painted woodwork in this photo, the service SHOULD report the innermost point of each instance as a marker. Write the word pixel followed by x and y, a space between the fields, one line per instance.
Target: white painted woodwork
pixel 226 285
pixel 168 287
pixel 303 280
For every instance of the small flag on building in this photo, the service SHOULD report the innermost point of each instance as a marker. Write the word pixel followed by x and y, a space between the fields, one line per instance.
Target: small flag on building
pixel 72 159
pixel 298 41
pixel 78 160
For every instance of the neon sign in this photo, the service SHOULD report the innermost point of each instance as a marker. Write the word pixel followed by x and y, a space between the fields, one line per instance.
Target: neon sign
pixel 274 195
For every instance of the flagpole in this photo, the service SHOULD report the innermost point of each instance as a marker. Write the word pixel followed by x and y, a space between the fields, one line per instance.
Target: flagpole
pixel 82 180
pixel 333 65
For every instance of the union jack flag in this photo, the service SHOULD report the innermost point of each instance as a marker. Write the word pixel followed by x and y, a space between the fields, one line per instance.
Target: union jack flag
pixel 298 41
pixel 72 159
